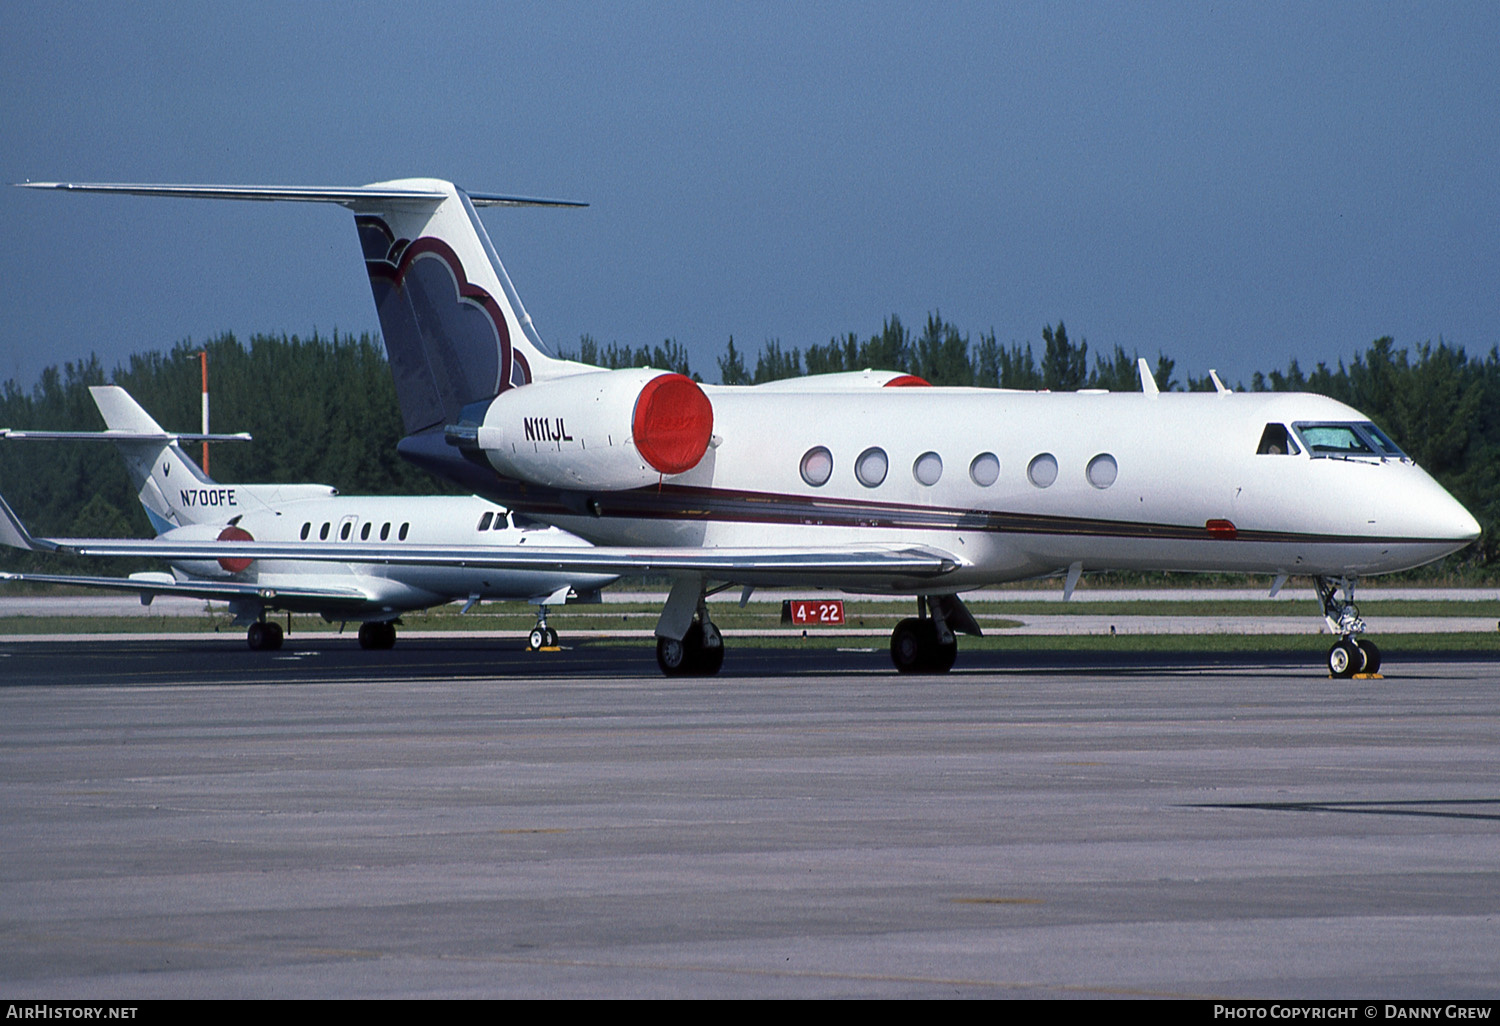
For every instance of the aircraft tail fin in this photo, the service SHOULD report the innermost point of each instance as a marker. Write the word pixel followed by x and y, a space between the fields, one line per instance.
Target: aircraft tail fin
pixel 455 330
pixel 157 466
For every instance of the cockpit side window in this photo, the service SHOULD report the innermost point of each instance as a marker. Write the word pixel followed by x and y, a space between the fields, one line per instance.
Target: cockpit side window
pixel 1276 440
pixel 1383 442
pixel 1361 439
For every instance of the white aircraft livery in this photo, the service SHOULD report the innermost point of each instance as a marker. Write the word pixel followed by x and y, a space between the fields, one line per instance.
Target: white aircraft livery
pixel 185 505
pixel 837 484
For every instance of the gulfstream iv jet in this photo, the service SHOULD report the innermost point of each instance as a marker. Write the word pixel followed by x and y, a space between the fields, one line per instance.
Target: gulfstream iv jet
pixel 835 484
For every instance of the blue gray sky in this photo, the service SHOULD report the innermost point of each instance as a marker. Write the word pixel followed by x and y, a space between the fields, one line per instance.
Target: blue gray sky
pixel 1235 184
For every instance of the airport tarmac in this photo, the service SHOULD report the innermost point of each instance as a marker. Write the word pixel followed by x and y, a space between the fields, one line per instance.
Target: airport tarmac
pixel 459 818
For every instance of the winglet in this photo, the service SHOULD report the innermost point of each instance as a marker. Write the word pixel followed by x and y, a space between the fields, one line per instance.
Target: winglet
pixel 1148 383
pixel 14 533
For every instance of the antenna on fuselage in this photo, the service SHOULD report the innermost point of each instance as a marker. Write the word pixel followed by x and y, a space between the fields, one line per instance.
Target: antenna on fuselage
pixel 1148 383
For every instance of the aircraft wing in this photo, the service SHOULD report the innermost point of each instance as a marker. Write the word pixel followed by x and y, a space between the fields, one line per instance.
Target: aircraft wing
pixel 741 564
pixel 149 585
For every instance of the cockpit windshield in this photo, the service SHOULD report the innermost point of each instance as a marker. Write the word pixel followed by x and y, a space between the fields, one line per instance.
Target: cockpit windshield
pixel 1359 439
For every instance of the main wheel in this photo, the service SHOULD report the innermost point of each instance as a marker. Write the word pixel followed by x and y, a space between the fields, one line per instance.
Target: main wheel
pixel 551 638
pixel 710 653
pixel 273 636
pixel 672 656
pixel 377 635
pixel 1372 655
pixel 255 636
pixel 915 647
pixel 538 639
pixel 1345 659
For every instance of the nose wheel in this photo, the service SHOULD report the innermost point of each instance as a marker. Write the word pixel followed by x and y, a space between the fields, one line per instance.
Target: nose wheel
pixel 1352 655
pixel 541 635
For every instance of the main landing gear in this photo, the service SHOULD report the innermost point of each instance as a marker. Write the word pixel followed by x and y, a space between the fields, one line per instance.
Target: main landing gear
pixel 924 643
pixel 1351 655
pixel 377 634
pixel 699 652
pixel 264 636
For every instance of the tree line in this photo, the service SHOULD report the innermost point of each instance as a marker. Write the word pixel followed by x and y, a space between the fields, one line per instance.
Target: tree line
pixel 323 409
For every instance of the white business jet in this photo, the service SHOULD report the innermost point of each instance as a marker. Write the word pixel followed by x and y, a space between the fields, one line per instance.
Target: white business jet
pixel 916 490
pixel 184 504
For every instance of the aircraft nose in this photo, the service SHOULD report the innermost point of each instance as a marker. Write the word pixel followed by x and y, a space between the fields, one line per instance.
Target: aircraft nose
pixel 1448 519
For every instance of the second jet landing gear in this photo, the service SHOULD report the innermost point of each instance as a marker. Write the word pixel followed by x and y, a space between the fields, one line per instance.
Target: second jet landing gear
pixel 264 636
pixel 377 634
pixel 1351 655
pixel 541 635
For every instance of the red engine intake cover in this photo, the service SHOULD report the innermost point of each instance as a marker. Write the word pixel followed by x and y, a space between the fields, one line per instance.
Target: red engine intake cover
pixel 673 423
pixel 238 534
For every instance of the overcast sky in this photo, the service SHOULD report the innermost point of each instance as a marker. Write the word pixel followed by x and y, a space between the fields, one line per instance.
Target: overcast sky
pixel 1236 184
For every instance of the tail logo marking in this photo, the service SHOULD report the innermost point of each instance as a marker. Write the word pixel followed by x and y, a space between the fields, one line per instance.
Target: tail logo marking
pixel 441 329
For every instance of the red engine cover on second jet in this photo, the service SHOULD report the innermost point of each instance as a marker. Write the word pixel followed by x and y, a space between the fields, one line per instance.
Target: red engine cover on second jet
pixel 237 534
pixel 673 423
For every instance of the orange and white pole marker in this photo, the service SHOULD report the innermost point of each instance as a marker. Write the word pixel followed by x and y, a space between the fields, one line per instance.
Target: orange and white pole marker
pixel 203 363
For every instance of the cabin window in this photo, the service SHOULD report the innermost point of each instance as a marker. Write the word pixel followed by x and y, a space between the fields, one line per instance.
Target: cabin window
pixel 817 466
pixel 306 530
pixel 985 469
pixel 385 531
pixel 484 521
pixel 323 534
pixel 928 469
pixel 364 532
pixel 1102 470
pixel 871 467
pixel 402 535
pixel 1275 440
pixel 1042 470
pixel 344 531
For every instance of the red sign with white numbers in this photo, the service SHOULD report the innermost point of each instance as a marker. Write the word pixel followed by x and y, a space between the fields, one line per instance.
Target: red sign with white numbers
pixel 817 612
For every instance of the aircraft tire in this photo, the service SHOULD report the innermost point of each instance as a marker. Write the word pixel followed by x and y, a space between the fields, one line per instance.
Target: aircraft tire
pixel 255 636
pixel 943 656
pixel 1371 654
pixel 377 635
pixel 1345 659
pixel 551 638
pixel 274 637
pixel 910 646
pixel 710 652
pixel 673 656
pixel 538 639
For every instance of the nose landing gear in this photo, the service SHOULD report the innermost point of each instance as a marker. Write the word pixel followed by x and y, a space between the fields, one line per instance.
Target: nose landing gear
pixel 541 635
pixel 1351 655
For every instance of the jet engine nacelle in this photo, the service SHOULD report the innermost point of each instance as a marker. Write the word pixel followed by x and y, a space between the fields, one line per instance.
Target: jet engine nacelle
pixel 608 430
